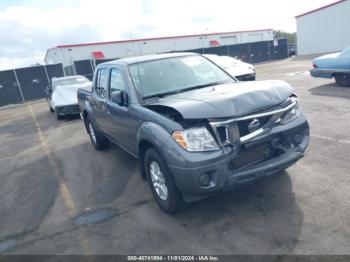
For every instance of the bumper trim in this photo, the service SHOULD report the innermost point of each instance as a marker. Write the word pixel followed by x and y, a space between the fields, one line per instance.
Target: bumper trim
pixel 266 168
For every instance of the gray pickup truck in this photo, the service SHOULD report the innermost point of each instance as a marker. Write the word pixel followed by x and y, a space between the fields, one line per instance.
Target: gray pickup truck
pixel 194 129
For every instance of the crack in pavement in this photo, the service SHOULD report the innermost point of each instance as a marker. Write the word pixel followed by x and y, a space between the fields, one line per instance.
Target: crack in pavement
pixel 25 239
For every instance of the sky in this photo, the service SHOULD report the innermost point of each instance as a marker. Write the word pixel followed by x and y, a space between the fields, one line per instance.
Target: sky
pixel 29 27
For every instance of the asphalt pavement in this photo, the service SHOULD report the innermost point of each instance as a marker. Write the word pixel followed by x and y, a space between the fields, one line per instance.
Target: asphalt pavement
pixel 60 196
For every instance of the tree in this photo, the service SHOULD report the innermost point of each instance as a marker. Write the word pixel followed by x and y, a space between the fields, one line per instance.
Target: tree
pixel 36 64
pixel 292 37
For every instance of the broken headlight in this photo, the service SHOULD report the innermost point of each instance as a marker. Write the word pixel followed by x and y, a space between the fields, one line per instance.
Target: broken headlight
pixel 291 114
pixel 195 139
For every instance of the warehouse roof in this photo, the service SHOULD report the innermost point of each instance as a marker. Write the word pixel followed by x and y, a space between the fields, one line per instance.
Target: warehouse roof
pixel 320 8
pixel 146 58
pixel 157 38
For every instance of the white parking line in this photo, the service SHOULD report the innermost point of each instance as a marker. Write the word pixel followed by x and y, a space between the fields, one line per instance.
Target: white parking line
pixel 7 158
pixel 63 187
pixel 332 139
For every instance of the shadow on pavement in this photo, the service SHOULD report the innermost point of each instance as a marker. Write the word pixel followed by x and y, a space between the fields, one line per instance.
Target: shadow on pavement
pixel 265 212
pixel 331 90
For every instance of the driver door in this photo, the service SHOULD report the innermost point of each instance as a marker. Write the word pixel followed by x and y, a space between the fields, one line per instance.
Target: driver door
pixel 120 123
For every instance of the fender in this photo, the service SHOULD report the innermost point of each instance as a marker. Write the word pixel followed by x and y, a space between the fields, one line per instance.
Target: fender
pixel 90 113
pixel 161 140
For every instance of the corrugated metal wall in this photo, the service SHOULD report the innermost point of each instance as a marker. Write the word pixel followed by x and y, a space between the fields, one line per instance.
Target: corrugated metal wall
pixel 324 31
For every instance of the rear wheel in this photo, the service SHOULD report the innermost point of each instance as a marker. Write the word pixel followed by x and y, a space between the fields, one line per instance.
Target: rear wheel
pixel 161 183
pixel 98 140
pixel 342 80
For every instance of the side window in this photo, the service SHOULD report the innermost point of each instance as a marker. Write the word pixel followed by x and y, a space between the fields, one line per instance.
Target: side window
pixel 101 82
pixel 117 81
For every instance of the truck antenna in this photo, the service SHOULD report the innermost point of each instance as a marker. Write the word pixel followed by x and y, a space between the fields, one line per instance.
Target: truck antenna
pixel 136 61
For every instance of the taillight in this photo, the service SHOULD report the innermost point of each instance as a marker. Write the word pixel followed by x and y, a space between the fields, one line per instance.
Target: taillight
pixel 314 66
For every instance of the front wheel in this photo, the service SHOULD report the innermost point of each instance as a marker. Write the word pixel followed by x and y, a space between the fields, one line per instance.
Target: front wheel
pixel 161 183
pixel 59 117
pixel 342 80
pixel 98 140
pixel 49 102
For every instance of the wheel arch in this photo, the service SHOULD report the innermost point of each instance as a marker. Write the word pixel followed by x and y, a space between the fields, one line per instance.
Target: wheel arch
pixel 153 135
pixel 143 146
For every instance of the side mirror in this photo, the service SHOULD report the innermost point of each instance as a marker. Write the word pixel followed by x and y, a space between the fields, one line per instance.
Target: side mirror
pixel 119 97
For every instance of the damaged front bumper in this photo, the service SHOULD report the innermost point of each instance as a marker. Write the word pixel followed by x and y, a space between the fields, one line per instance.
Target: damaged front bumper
pixel 198 175
pixel 67 110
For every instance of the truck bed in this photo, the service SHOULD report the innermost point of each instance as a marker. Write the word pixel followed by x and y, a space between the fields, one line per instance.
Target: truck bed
pixel 83 95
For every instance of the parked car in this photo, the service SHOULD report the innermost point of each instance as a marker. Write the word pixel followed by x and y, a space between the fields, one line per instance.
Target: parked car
pixel 194 129
pixel 62 94
pixel 336 65
pixel 292 49
pixel 236 68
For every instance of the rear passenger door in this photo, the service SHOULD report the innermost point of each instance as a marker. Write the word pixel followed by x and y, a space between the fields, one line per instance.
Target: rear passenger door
pixel 99 97
pixel 120 126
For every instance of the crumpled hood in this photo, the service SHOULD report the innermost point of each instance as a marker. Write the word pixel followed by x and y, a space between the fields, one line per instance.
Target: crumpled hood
pixel 67 95
pixel 239 71
pixel 228 100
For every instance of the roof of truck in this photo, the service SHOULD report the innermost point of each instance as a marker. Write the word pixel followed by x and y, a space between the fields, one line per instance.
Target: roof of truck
pixel 145 58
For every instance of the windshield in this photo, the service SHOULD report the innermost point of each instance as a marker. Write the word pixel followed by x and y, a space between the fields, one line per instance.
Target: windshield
pixel 176 74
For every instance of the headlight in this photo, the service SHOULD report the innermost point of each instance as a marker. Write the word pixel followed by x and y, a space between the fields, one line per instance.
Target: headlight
pixel 195 140
pixel 291 114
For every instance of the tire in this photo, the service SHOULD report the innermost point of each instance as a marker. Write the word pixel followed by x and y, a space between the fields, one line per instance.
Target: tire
pixel 98 140
pixel 58 116
pixel 342 80
pixel 167 195
pixel 48 101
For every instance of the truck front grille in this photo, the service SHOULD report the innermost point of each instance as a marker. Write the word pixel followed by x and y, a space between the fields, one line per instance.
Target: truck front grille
pixel 240 130
pixel 222 133
pixel 244 124
pixel 231 132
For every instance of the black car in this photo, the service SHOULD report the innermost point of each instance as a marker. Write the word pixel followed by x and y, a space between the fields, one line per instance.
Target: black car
pixel 292 49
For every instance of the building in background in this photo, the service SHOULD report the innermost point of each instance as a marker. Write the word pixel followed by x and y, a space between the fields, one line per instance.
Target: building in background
pixel 325 29
pixel 69 54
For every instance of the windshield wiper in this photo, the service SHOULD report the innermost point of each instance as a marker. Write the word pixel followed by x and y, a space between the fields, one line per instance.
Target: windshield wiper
pixel 185 89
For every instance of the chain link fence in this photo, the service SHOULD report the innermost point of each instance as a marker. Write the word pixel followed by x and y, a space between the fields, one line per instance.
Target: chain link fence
pixel 25 84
